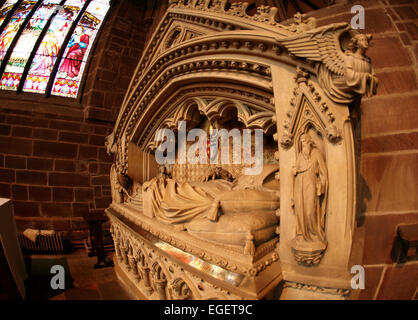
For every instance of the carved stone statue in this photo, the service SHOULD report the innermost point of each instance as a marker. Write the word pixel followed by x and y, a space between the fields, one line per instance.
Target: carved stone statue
pixel 310 193
pixel 302 23
pixel 120 185
pixel 110 143
pixel 175 203
pixel 116 188
pixel 343 75
pixel 359 74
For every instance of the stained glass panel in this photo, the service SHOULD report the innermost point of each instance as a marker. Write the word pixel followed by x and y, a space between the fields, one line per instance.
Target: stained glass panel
pixel 74 60
pixel 47 52
pixel 12 28
pixel 5 9
pixel 22 50
pixel 44 60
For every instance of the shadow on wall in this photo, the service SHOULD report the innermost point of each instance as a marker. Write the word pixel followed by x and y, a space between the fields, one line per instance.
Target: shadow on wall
pixel 363 190
pixel 364 194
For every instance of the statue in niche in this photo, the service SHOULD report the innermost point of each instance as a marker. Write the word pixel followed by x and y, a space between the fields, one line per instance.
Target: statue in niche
pixel 310 192
pixel 344 75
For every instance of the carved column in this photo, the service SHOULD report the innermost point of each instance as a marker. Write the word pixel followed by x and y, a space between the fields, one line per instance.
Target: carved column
pixel 160 281
pixel 116 242
pixel 124 253
pixel 133 265
pixel 160 286
pixel 144 272
pixel 145 275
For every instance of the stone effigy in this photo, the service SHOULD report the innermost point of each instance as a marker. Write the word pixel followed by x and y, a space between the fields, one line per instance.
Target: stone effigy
pixel 215 209
pixel 209 231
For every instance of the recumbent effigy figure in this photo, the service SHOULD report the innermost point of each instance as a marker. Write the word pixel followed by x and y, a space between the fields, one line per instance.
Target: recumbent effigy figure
pixel 236 212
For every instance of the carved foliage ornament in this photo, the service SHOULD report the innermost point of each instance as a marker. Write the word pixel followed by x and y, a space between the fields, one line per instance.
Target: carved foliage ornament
pixel 264 13
pixel 306 106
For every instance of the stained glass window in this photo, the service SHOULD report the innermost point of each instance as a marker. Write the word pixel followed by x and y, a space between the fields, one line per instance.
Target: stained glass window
pixel 46 55
pixel 71 68
pixel 45 43
pixel 5 9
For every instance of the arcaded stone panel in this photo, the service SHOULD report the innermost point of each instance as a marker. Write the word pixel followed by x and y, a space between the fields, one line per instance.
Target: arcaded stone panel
pixel 55 168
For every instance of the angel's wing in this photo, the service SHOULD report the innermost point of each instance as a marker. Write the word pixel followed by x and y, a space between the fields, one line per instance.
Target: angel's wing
pixel 320 44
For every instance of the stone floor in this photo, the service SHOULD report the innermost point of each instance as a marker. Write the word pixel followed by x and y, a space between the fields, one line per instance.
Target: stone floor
pixel 82 281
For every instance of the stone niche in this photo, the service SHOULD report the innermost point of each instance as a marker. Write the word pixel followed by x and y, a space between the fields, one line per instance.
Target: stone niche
pixel 188 230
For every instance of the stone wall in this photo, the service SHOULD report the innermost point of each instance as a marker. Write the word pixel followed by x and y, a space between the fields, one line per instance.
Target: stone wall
pixel 53 162
pixel 387 138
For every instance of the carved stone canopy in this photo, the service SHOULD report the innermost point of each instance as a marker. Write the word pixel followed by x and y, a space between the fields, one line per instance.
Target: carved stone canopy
pixel 205 43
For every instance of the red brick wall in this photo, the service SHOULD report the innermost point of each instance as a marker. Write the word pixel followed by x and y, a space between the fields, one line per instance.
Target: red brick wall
pixel 54 168
pixel 388 140
pixel 53 162
pixel 116 55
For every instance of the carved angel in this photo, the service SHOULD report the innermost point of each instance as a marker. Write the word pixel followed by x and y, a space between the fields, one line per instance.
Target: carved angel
pixel 120 184
pixel 343 75
pixel 110 143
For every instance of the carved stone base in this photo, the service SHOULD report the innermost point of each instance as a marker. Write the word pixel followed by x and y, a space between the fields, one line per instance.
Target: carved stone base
pixel 157 269
pixel 308 253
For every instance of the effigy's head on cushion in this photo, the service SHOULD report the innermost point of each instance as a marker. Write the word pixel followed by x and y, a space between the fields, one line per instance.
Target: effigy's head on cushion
pixel 241 212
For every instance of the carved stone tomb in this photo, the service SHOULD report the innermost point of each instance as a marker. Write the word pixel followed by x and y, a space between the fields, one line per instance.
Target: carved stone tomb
pixel 189 230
